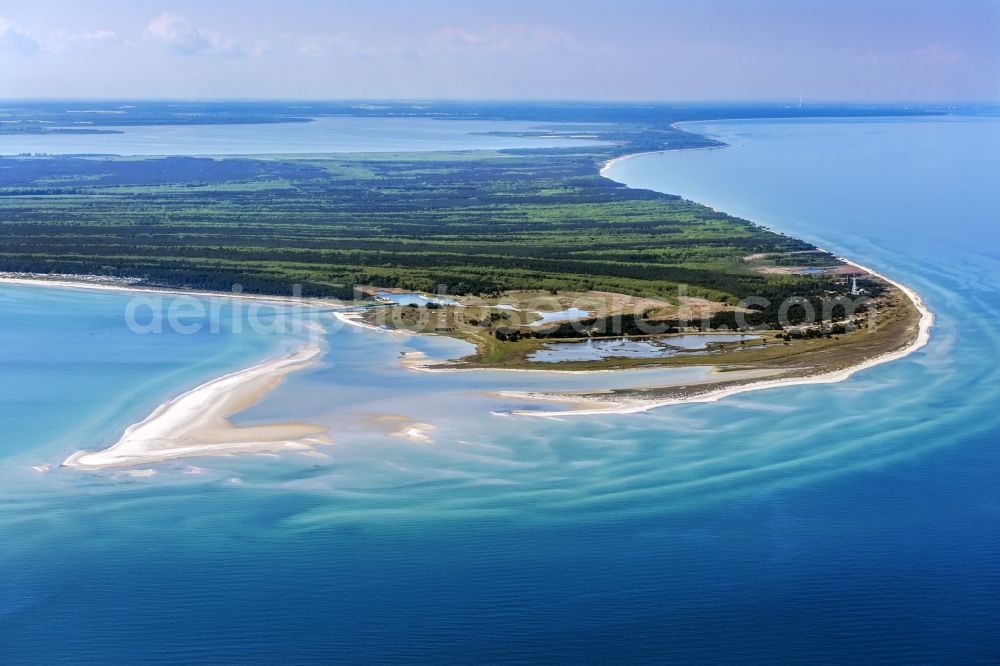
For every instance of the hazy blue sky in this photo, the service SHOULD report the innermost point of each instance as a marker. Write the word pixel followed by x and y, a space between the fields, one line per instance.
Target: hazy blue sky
pixel 611 49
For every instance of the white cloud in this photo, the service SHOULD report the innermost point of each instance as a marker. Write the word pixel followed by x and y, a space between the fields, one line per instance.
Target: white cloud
pixel 176 32
pixel 499 38
pixel 179 34
pixel 101 36
pixel 15 39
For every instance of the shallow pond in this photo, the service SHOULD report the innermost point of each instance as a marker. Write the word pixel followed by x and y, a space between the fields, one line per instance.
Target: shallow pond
pixel 568 314
pixel 596 350
pixel 413 299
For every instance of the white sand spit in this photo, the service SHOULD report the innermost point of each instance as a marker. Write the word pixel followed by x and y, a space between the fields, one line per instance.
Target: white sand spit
pixel 197 422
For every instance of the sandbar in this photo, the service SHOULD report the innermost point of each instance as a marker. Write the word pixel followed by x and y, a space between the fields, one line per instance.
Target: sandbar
pixel 197 423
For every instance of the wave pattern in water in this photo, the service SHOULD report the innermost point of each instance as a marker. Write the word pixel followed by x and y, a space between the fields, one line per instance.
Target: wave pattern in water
pixel 834 523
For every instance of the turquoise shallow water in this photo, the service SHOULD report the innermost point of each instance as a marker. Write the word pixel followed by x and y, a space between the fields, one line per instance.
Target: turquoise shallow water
pixel 73 371
pixel 856 522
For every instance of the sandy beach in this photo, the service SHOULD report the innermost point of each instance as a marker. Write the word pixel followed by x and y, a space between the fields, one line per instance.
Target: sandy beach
pixel 354 319
pixel 78 282
pixel 197 422
pixel 633 406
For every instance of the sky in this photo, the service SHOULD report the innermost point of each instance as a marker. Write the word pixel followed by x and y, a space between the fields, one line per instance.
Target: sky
pixel 653 50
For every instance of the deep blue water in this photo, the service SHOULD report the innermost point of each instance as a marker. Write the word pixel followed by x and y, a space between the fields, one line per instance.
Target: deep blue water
pixel 848 523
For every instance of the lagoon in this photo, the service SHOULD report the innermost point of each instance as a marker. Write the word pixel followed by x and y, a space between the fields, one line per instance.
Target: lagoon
pixel 331 134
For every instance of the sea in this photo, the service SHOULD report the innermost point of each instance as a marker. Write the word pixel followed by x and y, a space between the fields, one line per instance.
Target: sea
pixel 856 522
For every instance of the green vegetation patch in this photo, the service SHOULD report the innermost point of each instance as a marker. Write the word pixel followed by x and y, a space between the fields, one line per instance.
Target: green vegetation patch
pixel 478 222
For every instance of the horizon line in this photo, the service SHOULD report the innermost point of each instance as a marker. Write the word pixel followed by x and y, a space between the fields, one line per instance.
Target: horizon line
pixel 511 100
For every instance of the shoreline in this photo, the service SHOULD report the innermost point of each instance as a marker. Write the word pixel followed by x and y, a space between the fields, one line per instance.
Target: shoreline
pixel 622 158
pixel 414 361
pixel 138 288
pixel 353 319
pixel 196 423
pixel 924 324
pixel 635 406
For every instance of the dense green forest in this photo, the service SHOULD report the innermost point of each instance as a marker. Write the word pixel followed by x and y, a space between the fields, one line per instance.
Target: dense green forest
pixel 475 222
pixel 471 221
